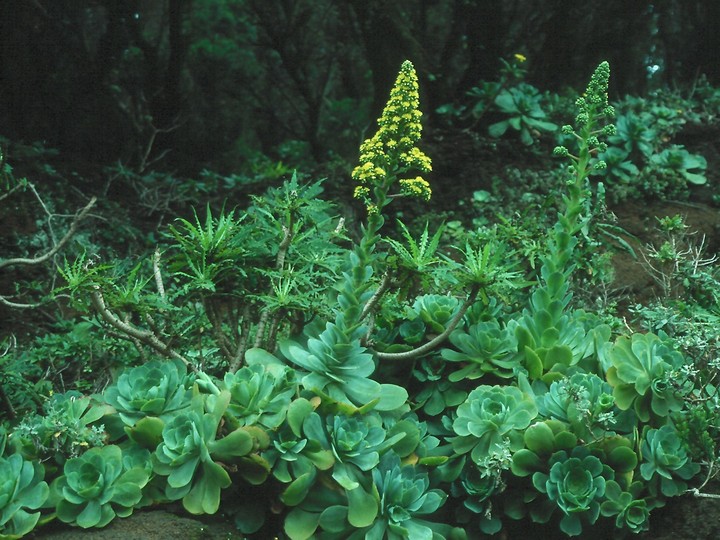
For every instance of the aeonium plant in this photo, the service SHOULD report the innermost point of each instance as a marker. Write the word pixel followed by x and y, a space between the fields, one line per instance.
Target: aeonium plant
pixel 95 487
pixel 576 484
pixel 147 396
pixel 22 490
pixel 491 419
pixel 191 452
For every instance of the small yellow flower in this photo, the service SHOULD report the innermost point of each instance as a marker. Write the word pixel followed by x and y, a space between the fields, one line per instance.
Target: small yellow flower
pixel 416 187
pixel 520 58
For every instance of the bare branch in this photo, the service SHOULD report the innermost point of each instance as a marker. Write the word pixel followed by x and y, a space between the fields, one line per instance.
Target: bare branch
pixel 64 240
pixel 157 274
pixel 15 305
pixel 279 263
pixel 133 333
pixel 10 192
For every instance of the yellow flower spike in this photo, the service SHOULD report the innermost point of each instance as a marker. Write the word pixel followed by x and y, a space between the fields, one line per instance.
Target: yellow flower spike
pixel 392 150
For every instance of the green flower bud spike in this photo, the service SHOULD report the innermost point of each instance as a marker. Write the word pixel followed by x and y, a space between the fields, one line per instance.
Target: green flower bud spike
pixel 590 123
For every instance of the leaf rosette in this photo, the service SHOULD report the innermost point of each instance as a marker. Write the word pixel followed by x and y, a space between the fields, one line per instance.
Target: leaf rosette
pixel 486 347
pixel 641 367
pixel 492 418
pixel 630 510
pixel 575 484
pixel 665 462
pixel 95 487
pixel 261 391
pixel 22 488
pixel 190 451
pixel 158 388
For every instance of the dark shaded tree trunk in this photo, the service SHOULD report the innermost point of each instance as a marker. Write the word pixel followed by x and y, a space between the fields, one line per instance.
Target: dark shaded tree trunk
pixel 388 41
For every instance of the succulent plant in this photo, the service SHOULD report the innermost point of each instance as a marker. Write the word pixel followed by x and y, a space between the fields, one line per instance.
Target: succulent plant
pixel 641 375
pixel 475 487
pixel 486 347
pixel 158 388
pixel 549 338
pixel 677 160
pixel 542 439
pixel 339 369
pixel 576 484
pixel 436 310
pixel 405 496
pixel 95 487
pixel 412 331
pixel 190 451
pixel 437 393
pixel 294 459
pixel 261 391
pixel 522 105
pixel 585 402
pixel 492 418
pixel 22 488
pixel 631 511
pixel 666 464
pixel 357 440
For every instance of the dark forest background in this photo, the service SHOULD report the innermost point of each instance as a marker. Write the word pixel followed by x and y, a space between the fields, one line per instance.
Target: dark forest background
pixel 217 83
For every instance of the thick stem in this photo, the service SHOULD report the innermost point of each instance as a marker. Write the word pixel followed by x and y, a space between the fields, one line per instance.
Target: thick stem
pixel 157 274
pixel 437 340
pixel 384 285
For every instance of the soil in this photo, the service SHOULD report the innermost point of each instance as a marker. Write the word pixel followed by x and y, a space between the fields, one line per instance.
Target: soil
pixel 145 525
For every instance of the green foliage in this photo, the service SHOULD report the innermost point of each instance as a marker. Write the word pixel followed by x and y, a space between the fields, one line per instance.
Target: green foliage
pixel 339 368
pixel 69 425
pixel 405 496
pixel 630 510
pixel 377 388
pixel 22 488
pixel 416 259
pixel 644 163
pixel 261 391
pixel 522 104
pixel 158 388
pixel 247 279
pixel 675 160
pixel 95 487
pixel 436 310
pixel 210 251
pixel 486 347
pixel 585 402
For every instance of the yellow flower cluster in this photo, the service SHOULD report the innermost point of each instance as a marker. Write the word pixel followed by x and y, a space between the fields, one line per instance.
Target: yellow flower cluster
pixel 392 150
pixel 416 187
